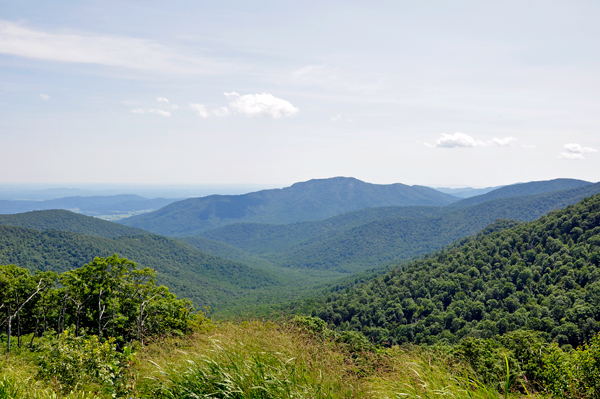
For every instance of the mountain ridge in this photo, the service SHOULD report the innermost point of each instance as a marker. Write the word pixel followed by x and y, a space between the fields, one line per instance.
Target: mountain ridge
pixel 311 200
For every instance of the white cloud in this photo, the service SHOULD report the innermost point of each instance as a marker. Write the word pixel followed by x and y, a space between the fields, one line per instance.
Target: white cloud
pixel 204 113
pixel 44 96
pixel 162 100
pixel 265 105
pixel 503 142
pixel 570 155
pixel 200 110
pixel 161 112
pixel 457 140
pixel 113 51
pixel 464 140
pixel 336 118
pixel 575 151
pixel 221 112
pixel 575 148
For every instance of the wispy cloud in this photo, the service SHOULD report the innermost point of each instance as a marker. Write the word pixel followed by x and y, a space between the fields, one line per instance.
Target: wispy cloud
pixel 457 140
pixel 221 112
pixel 44 96
pixel 251 105
pixel 503 142
pixel 157 111
pixel 204 113
pixel 260 105
pixel 575 151
pixel 463 140
pixel 200 110
pixel 113 51
pixel 162 100
pixel 336 118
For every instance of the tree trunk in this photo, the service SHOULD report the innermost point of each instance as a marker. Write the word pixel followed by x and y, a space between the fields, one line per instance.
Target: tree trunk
pixel 9 329
pixel 19 329
pixel 37 323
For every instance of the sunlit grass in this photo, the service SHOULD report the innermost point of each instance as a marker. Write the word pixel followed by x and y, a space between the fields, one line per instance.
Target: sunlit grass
pixel 266 360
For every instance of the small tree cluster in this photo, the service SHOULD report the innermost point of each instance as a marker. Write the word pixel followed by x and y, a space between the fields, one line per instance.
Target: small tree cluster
pixel 108 297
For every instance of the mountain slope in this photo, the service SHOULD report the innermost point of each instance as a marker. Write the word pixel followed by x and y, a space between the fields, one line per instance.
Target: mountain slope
pixel 269 238
pixel 69 221
pixel 354 242
pixel 542 276
pixel 519 189
pixel 466 192
pixel 204 279
pixel 311 200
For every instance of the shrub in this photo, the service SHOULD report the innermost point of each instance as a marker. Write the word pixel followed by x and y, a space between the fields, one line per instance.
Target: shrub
pixel 573 373
pixel 70 361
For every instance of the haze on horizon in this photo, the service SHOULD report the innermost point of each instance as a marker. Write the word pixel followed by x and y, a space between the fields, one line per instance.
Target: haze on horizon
pixel 443 94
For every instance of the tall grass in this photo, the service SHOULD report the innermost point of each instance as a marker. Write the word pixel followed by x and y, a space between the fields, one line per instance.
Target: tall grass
pixel 266 360
pixel 416 372
pixel 251 360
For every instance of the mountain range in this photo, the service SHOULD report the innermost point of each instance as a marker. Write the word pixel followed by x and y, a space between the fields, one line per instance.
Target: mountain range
pixel 241 265
pixel 312 200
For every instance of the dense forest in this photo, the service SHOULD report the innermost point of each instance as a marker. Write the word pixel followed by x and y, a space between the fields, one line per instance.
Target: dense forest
pixel 541 276
pixel 204 279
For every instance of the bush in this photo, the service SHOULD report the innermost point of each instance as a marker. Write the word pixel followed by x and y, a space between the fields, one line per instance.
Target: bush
pixel 313 326
pixel 70 361
pixel 574 373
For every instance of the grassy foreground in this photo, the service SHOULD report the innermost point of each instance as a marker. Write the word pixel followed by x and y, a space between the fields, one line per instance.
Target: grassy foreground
pixel 260 360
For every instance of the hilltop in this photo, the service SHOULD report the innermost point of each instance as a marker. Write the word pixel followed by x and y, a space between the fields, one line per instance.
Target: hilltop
pixel 312 200
pixel 69 221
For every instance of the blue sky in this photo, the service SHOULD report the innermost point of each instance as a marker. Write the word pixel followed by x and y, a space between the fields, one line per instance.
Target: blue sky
pixel 461 93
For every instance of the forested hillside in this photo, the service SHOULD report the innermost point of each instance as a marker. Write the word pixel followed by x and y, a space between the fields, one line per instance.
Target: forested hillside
pixel 519 189
pixel 542 276
pixel 204 279
pixel 312 200
pixel 69 221
pixel 363 239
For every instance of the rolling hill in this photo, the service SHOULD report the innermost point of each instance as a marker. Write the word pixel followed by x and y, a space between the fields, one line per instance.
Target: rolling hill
pixel 542 276
pixel 69 221
pixel 312 200
pixel 363 239
pixel 204 279
pixel 519 189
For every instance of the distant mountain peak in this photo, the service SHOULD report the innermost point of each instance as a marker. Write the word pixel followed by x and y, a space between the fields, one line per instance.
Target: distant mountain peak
pixel 315 199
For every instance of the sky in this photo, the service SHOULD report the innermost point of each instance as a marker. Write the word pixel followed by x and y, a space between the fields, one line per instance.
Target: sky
pixel 438 93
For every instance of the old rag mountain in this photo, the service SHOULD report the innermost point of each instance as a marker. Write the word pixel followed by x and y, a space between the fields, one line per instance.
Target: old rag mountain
pixel 312 200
